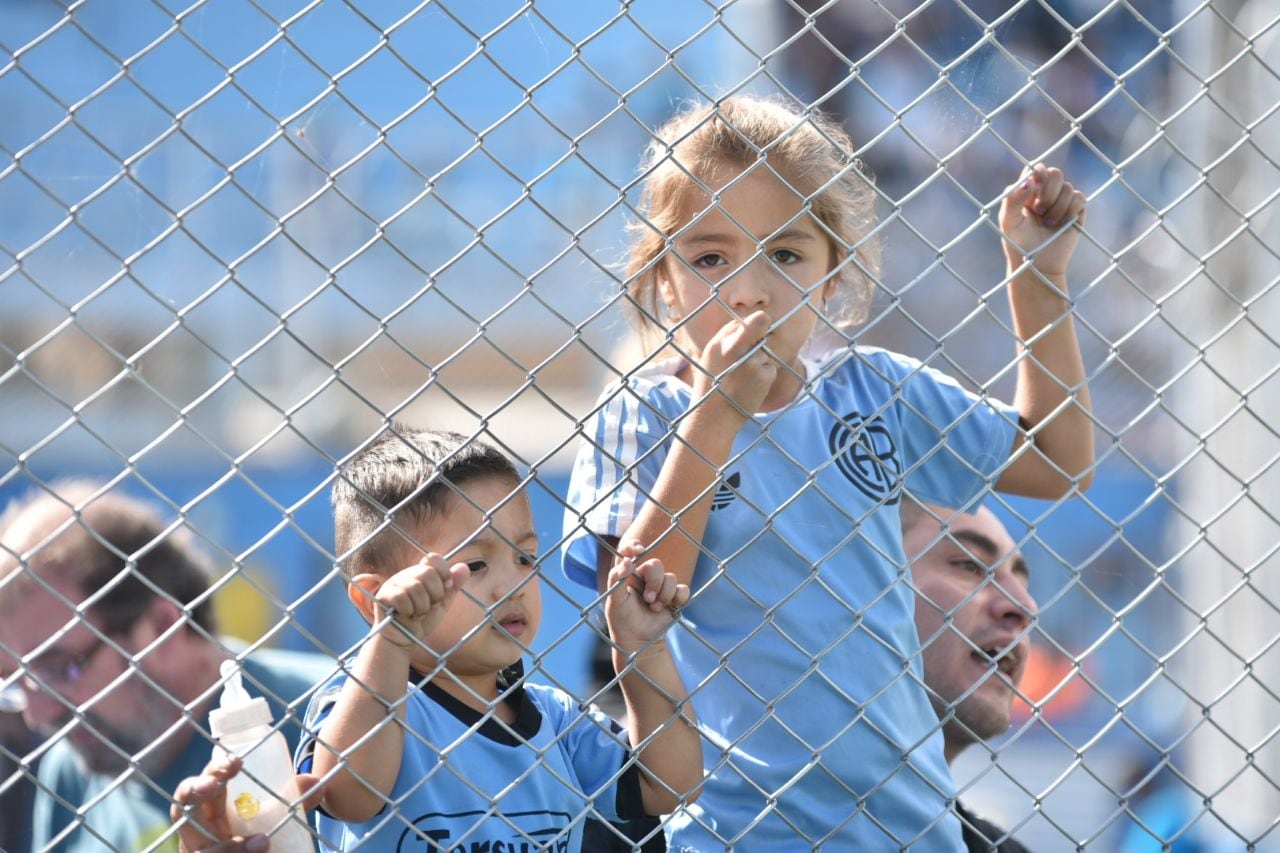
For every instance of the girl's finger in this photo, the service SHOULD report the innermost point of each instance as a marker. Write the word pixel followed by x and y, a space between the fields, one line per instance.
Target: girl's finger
pixel 1058 212
pixel 1050 188
pixel 1021 193
pixel 748 332
pixel 1076 211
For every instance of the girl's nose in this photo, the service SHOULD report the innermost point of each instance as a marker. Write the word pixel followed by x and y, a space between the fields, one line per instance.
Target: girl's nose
pixel 746 289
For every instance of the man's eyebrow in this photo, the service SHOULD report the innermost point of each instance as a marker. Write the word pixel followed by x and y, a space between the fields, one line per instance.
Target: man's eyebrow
pixel 991 551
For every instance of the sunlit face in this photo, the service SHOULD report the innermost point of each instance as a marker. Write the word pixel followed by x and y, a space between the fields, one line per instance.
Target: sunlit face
pixel 501 595
pixel 80 672
pixel 972 613
pixel 755 251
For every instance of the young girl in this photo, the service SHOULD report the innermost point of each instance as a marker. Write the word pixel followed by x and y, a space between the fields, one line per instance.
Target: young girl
pixel 429 738
pixel 767 472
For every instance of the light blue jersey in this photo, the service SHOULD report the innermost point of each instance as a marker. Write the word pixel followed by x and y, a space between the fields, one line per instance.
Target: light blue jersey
pixel 469 783
pixel 802 656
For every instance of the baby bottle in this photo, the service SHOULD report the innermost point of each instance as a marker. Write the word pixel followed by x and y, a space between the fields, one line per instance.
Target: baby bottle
pixel 258 796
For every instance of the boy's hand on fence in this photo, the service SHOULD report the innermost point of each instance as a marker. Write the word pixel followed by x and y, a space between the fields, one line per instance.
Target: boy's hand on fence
pixel 642 599
pixel 419 596
pixel 204 828
pixel 1033 212
pixel 748 383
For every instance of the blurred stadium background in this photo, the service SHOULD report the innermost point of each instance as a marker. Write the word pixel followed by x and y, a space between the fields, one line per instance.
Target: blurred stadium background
pixel 236 235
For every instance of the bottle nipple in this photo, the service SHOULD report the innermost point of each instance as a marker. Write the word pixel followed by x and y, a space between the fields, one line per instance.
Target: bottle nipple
pixel 237 711
pixel 233 692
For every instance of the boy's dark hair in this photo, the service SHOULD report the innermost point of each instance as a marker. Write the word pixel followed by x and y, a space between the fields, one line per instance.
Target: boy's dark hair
pixel 404 475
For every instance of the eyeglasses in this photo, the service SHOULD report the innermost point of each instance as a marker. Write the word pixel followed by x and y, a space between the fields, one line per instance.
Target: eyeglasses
pixel 62 670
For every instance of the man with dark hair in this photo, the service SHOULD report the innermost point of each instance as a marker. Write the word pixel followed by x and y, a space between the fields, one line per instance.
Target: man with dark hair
pixel 106 618
pixel 973 613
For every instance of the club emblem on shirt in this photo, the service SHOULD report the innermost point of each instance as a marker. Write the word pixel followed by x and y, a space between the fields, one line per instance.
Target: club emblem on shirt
pixel 727 492
pixel 865 452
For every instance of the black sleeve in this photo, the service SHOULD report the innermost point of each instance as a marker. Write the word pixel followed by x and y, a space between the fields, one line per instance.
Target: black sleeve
pixel 630 802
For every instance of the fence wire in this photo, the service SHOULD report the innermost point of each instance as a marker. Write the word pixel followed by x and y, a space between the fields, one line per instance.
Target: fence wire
pixel 239 239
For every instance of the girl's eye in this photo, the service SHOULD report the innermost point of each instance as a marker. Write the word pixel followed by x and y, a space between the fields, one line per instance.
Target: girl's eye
pixel 711 259
pixel 785 256
pixel 477 566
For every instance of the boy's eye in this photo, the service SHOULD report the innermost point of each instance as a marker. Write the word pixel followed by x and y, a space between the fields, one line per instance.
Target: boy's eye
pixel 477 566
pixel 526 560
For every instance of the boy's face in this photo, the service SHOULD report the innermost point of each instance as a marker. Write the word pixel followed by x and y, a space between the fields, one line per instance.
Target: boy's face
pixel 501 594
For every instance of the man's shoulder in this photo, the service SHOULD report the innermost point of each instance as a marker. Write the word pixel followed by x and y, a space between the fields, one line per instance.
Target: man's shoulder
pixel 292 674
pixel 61 770
pixel 118 811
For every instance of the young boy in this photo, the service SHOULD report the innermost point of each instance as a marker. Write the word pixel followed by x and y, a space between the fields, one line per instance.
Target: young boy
pixel 431 734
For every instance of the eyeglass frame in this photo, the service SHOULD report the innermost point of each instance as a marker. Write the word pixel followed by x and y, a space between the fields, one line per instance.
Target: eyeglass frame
pixel 68 674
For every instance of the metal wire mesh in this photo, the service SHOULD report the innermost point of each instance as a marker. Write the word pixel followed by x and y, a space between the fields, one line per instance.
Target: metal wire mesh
pixel 237 239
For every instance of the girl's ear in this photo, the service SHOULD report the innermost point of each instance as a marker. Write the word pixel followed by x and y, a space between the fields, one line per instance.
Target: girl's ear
pixel 362 591
pixel 832 284
pixel 666 291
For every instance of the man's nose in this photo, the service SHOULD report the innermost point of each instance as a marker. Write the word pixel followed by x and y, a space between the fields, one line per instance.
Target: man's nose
pixel 1013 601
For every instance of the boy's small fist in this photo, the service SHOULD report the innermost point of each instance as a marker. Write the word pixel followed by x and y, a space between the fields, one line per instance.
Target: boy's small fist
pixel 419 596
pixel 642 598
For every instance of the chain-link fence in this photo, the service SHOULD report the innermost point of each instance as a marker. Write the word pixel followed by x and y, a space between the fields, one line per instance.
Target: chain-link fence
pixel 238 238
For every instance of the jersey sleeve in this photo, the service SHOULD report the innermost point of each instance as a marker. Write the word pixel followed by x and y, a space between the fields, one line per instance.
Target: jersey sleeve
pixel 58 780
pixel 318 710
pixel 954 441
pixel 624 445
pixel 597 750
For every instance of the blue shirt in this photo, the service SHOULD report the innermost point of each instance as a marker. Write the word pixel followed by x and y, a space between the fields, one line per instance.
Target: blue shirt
pixel 800 647
pixel 469 782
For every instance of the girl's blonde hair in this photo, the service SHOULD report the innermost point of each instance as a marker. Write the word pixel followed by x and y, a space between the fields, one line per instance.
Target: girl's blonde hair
pixel 808 150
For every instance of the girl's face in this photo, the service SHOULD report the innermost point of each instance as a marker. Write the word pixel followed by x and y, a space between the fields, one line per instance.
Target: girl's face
pixel 755 251
pixel 501 595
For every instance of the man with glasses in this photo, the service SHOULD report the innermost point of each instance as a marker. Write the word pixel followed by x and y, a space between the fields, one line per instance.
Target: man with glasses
pixel 106 622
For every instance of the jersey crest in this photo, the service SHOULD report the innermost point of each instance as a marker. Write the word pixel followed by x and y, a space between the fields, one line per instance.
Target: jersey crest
pixel 867 455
